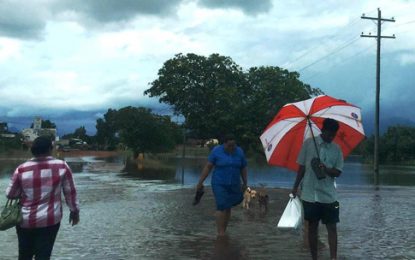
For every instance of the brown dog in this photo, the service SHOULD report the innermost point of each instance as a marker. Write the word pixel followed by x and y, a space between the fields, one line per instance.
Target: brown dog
pixel 249 195
pixel 263 199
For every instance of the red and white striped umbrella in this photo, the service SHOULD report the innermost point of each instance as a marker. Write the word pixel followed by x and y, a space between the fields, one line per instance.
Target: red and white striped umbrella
pixel 283 137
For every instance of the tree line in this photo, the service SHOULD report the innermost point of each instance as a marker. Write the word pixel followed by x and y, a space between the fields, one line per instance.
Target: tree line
pixel 215 96
pixel 397 144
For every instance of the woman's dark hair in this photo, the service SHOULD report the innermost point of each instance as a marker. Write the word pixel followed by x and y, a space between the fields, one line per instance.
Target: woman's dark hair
pixel 330 125
pixel 228 137
pixel 41 146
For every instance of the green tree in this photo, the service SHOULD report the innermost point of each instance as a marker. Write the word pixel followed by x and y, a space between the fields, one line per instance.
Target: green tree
pixel 46 124
pixel 268 89
pixel 201 89
pixel 106 135
pixel 216 96
pixel 139 129
pixel 142 131
pixel 397 144
pixel 80 133
pixel 9 144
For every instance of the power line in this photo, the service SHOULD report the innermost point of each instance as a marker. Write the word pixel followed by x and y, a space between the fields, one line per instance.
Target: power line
pixel 329 54
pixel 311 50
pixel 340 63
pixel 333 36
pixel 403 30
pixel 409 22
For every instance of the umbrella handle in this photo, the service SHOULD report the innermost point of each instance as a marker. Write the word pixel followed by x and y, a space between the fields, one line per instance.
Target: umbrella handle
pixel 314 139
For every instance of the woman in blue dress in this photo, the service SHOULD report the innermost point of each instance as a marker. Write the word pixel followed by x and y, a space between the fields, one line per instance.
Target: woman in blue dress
pixel 230 166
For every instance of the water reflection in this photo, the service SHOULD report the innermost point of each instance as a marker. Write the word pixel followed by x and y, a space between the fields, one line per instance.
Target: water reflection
pixel 76 166
pixel 138 169
pixel 226 248
pixel 149 215
pixel 354 174
pixel 152 174
pixel 7 167
pixel 187 172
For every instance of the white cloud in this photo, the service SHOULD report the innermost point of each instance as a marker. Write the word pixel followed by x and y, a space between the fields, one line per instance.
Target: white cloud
pixel 9 49
pixel 407 59
pixel 75 54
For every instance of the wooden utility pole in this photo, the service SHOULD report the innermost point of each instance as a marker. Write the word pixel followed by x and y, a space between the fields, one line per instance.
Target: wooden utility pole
pixel 183 152
pixel 379 21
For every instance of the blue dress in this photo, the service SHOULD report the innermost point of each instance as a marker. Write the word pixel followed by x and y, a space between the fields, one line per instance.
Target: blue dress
pixel 226 178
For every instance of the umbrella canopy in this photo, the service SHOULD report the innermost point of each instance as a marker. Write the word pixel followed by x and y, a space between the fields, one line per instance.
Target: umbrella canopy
pixel 283 137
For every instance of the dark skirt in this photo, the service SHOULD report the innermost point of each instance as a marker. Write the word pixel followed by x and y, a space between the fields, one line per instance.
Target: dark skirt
pixel 227 196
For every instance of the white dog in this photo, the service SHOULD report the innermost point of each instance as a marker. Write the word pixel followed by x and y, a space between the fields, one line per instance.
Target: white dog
pixel 249 195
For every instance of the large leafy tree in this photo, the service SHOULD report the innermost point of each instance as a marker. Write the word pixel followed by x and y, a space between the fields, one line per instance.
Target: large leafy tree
pixel 205 90
pixel 139 129
pixel 269 88
pixel 216 96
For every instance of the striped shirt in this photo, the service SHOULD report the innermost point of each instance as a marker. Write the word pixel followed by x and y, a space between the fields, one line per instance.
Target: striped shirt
pixel 39 182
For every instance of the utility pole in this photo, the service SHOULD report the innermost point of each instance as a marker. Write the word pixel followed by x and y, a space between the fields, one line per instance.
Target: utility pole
pixel 183 152
pixel 379 21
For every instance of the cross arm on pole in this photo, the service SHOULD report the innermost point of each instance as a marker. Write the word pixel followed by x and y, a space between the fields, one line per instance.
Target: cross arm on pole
pixel 374 36
pixel 376 18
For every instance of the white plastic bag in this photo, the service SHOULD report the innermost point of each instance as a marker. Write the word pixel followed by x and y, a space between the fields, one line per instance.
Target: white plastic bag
pixel 292 216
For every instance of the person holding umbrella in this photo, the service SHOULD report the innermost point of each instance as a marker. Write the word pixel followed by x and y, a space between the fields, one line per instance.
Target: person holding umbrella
pixel 230 166
pixel 312 137
pixel 320 162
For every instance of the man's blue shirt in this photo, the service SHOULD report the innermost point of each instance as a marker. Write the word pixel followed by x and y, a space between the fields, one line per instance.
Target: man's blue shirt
pixel 227 166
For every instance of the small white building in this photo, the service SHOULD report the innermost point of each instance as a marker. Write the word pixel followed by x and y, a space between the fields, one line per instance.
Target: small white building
pixel 30 134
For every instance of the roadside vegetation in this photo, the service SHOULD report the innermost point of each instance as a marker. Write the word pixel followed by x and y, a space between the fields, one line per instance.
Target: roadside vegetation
pixel 209 97
pixel 397 145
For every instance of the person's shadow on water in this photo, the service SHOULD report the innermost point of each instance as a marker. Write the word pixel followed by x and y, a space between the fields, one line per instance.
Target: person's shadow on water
pixel 228 248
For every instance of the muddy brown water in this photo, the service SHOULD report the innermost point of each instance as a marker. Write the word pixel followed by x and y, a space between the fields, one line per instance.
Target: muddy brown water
pixel 134 216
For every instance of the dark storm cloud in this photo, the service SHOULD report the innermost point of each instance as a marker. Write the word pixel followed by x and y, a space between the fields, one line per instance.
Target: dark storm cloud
pixel 28 20
pixel 106 11
pixel 23 21
pixel 247 6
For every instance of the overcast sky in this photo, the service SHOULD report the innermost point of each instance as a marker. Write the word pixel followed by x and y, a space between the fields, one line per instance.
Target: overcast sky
pixel 71 60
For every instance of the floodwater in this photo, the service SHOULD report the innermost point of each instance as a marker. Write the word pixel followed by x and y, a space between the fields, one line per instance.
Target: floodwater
pixel 147 214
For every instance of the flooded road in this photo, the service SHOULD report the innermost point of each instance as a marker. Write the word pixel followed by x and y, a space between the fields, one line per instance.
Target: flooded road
pixel 130 216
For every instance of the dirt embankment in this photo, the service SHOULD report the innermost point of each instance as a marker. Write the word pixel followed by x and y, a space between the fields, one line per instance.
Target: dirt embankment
pixel 81 153
pixel 15 155
pixel 24 155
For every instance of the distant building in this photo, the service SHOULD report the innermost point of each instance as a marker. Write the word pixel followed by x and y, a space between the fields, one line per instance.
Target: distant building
pixel 3 127
pixel 30 134
pixel 4 131
pixel 37 123
pixel 8 135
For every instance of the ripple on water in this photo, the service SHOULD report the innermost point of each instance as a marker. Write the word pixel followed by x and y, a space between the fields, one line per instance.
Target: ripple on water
pixel 131 218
